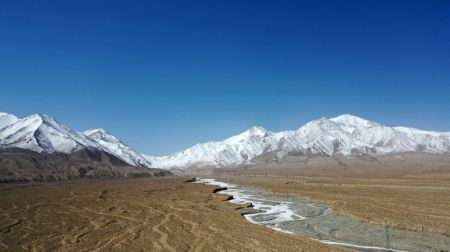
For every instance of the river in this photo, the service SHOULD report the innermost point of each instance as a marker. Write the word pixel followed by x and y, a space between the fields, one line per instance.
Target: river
pixel 317 221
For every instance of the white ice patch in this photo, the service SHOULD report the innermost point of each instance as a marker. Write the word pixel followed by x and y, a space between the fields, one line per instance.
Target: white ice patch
pixel 214 183
pixel 272 212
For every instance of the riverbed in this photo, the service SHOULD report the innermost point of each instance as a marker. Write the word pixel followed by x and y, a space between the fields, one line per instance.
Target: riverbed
pixel 318 222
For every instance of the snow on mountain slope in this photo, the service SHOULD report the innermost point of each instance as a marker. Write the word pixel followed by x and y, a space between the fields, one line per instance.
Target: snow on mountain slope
pixel 430 141
pixel 233 151
pixel 384 139
pixel 343 135
pixel 7 119
pixel 116 147
pixel 41 133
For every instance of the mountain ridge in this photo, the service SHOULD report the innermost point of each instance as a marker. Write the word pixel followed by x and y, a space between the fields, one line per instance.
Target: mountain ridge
pixel 42 133
pixel 345 135
pixel 110 143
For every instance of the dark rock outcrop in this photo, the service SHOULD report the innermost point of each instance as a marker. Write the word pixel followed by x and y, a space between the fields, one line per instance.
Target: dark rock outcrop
pixel 192 180
pixel 216 190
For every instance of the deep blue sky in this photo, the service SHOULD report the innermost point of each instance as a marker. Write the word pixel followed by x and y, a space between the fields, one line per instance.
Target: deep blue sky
pixel 163 75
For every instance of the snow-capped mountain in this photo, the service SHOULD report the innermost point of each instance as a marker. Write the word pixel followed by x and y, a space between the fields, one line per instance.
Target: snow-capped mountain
pixel 344 135
pixel 114 146
pixel 42 133
pixel 235 150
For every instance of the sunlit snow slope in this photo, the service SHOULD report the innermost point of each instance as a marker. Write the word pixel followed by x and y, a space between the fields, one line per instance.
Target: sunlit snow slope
pixel 345 135
pixel 113 145
pixel 42 133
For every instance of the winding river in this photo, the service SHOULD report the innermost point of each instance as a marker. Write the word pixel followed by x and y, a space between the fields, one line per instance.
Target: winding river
pixel 318 222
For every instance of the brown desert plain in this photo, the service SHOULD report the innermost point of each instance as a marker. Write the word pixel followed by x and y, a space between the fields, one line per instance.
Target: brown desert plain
pixel 405 191
pixel 145 214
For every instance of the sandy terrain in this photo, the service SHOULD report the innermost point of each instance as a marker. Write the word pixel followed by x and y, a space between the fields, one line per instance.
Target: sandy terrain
pixel 148 214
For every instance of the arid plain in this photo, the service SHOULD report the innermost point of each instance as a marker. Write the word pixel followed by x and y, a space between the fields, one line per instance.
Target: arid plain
pixel 147 214
pixel 406 191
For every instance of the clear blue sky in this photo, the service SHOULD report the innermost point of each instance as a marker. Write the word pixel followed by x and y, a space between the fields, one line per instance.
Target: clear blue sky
pixel 163 75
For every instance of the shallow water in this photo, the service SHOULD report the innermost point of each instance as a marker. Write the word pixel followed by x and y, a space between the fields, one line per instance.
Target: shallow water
pixel 317 221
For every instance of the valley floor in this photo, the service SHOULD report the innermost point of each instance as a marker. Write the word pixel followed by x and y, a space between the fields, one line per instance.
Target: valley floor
pixel 418 202
pixel 152 214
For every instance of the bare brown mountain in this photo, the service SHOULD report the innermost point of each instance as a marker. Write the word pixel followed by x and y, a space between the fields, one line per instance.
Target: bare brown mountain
pixel 20 165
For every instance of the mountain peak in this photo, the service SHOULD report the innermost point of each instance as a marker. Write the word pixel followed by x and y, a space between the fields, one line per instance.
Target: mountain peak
pixel 42 133
pixel 319 122
pixel 40 115
pixel 7 119
pixel 113 145
pixel 352 120
pixel 257 130
pixel 95 131
pixel 43 118
pixel 252 132
pixel 4 113
pixel 101 134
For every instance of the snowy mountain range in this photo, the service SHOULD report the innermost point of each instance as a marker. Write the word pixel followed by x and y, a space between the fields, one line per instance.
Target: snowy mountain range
pixel 42 133
pixel 345 135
